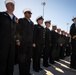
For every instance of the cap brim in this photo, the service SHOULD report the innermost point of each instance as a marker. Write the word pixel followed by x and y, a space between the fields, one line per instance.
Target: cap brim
pixel 9 2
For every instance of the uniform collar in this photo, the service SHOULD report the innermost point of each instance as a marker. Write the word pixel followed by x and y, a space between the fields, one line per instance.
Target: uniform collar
pixel 9 15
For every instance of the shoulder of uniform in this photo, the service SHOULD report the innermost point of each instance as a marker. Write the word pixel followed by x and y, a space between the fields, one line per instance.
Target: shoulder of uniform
pixel 35 25
pixel 32 22
pixel 72 25
pixel 20 19
pixel 2 13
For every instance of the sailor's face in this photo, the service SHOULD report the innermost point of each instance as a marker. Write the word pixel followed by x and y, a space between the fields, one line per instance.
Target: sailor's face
pixel 75 20
pixel 48 24
pixel 10 6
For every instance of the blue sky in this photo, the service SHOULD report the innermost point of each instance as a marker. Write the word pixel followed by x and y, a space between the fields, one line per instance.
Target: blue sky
pixel 60 12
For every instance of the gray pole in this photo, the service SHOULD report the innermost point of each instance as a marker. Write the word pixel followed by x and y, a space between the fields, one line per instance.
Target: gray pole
pixel 43 3
pixel 67 26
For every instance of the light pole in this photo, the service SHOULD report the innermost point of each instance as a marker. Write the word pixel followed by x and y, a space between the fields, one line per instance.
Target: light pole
pixel 43 4
pixel 67 26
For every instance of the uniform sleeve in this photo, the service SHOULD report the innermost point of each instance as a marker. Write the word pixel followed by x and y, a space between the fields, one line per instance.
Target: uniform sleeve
pixel 72 30
pixel 19 29
pixel 34 34
pixel 0 18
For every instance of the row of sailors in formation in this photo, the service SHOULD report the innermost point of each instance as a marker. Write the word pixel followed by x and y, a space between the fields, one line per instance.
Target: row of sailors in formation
pixel 55 45
pixel 49 44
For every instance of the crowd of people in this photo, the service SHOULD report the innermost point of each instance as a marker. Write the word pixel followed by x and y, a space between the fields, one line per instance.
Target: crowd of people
pixel 22 40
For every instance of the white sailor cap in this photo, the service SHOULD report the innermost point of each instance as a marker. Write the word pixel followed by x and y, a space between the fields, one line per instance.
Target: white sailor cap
pixel 58 29
pixel 7 1
pixel 47 21
pixel 39 17
pixel 54 25
pixel 26 10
